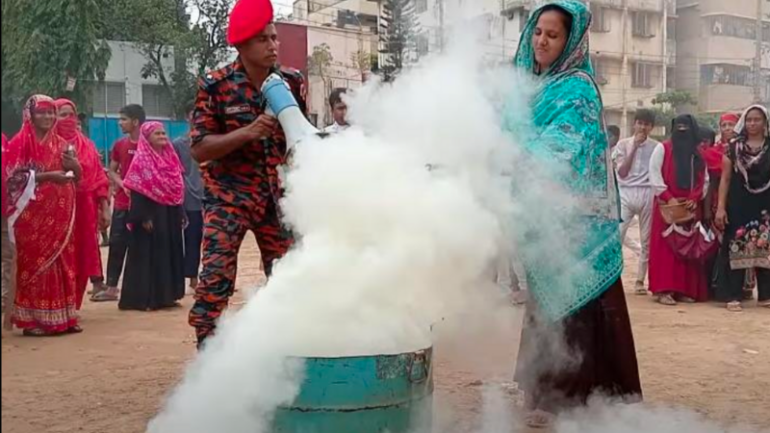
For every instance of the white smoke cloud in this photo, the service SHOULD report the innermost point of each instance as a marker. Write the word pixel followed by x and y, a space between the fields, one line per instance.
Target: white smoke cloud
pixel 601 415
pixel 604 416
pixel 385 247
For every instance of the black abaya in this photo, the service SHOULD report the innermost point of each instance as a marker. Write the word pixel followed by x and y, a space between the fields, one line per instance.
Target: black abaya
pixel 154 275
pixel 560 366
pixel 744 208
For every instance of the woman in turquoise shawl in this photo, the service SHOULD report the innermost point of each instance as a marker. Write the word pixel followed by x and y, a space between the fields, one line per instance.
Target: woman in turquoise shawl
pixel 578 339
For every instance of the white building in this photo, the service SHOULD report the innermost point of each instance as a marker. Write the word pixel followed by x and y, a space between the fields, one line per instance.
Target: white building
pixel 124 84
pixel 351 14
pixel 348 31
pixel 718 41
pixel 631 44
pixel 351 53
pixel 634 52
pixel 497 24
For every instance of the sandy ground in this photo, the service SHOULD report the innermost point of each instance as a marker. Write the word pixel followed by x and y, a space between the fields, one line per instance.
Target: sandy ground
pixel 113 377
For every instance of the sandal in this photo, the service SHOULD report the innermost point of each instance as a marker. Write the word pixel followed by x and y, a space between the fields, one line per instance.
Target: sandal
pixel 97 288
pixel 764 304
pixel 686 300
pixel 667 300
pixel 37 332
pixel 539 419
pixel 734 307
pixel 109 295
pixel 75 330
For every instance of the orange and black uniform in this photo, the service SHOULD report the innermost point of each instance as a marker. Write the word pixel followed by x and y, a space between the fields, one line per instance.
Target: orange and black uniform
pixel 242 189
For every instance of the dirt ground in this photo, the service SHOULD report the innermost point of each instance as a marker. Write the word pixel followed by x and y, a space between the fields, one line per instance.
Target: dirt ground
pixel 113 377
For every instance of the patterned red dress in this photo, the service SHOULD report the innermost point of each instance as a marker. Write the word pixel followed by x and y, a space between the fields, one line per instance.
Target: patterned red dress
pixel 46 298
pixel 92 187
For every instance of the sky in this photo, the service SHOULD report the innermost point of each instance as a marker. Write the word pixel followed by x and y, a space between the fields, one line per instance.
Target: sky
pixel 281 7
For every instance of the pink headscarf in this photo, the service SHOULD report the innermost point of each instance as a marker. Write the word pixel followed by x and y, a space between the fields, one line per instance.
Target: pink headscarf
pixel 156 174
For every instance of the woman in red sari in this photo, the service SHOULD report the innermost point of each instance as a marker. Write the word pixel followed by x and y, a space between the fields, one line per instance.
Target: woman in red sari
pixel 678 174
pixel 92 199
pixel 713 152
pixel 42 188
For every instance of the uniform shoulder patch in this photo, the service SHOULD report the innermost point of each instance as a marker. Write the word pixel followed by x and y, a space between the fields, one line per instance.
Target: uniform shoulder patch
pixel 213 77
pixel 291 74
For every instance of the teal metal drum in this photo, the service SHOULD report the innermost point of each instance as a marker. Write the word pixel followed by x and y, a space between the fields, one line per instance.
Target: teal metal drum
pixel 368 394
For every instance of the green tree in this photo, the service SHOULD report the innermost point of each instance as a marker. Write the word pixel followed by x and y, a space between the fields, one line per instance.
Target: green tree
pixel 210 47
pixel 668 105
pixel 399 30
pixel 163 29
pixel 48 45
pixel 708 119
pixel 362 60
pixel 320 61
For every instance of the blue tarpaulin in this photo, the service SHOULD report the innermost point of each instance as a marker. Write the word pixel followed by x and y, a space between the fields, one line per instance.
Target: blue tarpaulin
pixel 105 132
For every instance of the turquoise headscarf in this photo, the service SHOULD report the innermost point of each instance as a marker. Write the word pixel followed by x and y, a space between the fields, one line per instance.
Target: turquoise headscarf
pixel 568 141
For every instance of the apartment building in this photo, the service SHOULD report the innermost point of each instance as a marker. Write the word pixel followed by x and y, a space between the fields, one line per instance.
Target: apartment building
pixel 633 49
pixel 632 42
pixel 341 40
pixel 125 83
pixel 496 24
pixel 724 52
pixel 351 14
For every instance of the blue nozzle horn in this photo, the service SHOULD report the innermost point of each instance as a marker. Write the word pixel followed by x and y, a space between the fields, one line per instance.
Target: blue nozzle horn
pixel 278 94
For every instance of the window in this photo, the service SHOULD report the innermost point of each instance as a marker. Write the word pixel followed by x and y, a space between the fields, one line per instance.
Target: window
pixel 420 6
pixel 601 69
pixel 348 18
pixel 737 27
pixel 671 78
pixel 642 75
pixel 157 102
pixel 423 45
pixel 735 75
pixel 643 25
pixel 671 30
pixel 766 90
pixel 109 98
pixel 601 21
pixel 315 6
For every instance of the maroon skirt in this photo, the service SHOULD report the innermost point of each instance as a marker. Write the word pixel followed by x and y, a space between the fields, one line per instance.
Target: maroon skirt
pixel 591 352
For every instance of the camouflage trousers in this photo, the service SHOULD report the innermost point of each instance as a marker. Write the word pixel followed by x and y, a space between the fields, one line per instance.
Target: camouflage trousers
pixel 225 227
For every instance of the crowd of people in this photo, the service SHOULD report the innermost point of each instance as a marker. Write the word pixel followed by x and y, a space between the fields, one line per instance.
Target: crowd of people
pixel 702 200
pixel 179 210
pixel 702 205
pixel 57 199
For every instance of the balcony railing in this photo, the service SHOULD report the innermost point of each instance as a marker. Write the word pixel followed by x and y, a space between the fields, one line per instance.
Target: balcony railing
pixel 639 5
pixel 671 52
pixel 517 4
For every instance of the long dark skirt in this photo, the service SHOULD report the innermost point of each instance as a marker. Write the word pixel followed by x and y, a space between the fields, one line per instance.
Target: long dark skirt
pixel 589 353
pixel 745 210
pixel 154 275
